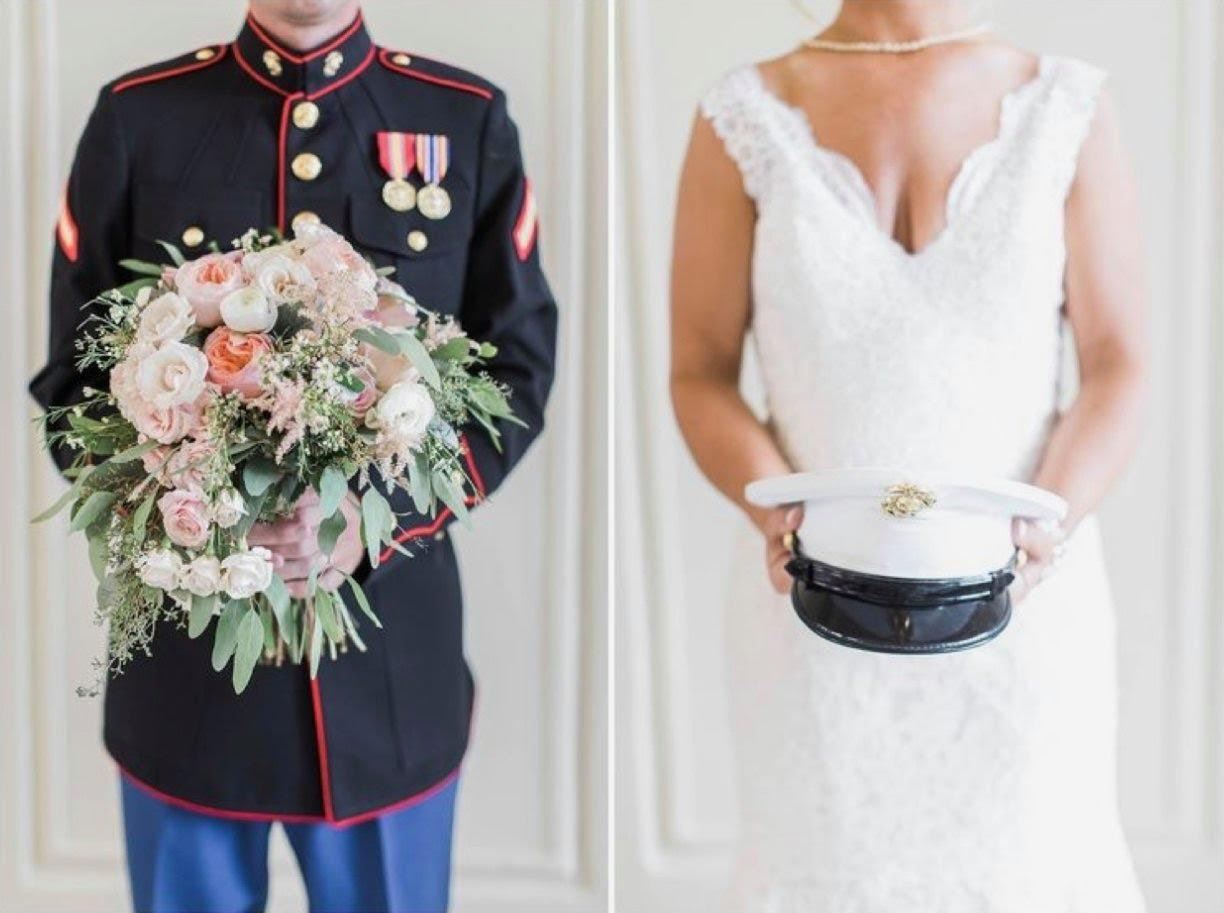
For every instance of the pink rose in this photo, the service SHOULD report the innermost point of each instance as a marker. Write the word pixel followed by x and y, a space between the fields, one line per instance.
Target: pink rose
pixel 155 461
pixel 336 255
pixel 233 360
pixel 187 467
pixel 204 282
pixel 167 426
pixel 185 517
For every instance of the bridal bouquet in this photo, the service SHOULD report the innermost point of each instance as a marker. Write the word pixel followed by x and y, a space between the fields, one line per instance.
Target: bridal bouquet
pixel 238 381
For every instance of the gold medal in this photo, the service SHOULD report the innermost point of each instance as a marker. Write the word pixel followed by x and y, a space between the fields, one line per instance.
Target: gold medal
pixel 399 195
pixel 434 202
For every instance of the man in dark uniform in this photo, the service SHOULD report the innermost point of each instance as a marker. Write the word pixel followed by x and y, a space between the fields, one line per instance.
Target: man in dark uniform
pixel 290 122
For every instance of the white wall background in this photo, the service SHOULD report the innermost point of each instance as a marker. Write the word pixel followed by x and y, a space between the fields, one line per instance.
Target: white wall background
pixel 1162 526
pixel 531 834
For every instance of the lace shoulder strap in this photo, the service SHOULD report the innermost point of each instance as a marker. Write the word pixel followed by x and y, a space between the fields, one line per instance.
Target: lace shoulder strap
pixel 733 108
pixel 1075 91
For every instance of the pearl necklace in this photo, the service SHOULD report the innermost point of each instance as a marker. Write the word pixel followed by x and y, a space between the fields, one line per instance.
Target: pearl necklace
pixel 896 47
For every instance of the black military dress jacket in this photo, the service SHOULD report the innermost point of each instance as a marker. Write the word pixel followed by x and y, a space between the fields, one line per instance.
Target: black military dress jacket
pixel 252 134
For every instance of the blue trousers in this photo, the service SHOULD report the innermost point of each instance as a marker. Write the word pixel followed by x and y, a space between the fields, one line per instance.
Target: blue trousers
pixel 180 861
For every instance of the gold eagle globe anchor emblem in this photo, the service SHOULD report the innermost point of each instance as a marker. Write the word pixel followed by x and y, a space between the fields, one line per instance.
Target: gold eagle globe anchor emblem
pixel 907 500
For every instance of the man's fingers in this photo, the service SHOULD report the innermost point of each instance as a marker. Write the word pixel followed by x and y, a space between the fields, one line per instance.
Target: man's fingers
pixel 331 580
pixel 292 569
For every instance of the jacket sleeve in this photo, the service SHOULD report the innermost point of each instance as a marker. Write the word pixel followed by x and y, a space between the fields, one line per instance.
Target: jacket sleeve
pixel 507 300
pixel 92 235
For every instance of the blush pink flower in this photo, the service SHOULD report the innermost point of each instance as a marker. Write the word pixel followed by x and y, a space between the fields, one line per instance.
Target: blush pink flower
pixel 166 426
pixel 361 402
pixel 187 467
pixel 204 282
pixel 233 360
pixel 335 255
pixel 184 517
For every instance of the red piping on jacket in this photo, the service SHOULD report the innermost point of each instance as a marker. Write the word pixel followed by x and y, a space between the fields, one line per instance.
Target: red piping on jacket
pixel 166 74
pixel 384 57
pixel 416 799
pixel 316 701
pixel 525 227
pixel 299 58
pixel 268 84
pixel 66 230
pixel 282 137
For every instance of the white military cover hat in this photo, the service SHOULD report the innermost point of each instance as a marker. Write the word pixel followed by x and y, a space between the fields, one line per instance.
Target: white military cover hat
pixel 901 560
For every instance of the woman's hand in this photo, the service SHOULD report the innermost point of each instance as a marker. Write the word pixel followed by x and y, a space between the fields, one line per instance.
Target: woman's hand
pixel 294 543
pixel 775 524
pixel 1041 548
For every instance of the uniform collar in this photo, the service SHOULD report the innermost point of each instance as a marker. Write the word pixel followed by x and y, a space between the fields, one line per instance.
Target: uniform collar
pixel 310 73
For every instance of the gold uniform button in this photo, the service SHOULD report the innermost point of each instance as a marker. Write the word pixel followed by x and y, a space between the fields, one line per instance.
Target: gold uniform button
pixel 205 54
pixel 193 236
pixel 306 166
pixel 305 115
pixel 306 217
pixel 401 59
pixel 417 241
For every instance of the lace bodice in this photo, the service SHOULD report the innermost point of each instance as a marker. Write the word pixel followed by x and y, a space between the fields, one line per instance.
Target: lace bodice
pixel 946 358
pixel 976 782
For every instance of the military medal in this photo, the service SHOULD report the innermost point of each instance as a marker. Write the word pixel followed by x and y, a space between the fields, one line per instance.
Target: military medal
pixel 397 155
pixel 433 160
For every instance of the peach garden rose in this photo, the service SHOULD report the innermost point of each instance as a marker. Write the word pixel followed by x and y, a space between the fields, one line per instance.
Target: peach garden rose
pixel 233 360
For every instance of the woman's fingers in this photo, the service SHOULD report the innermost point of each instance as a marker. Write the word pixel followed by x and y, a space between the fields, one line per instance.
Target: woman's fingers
pixel 778 523
pixel 1039 541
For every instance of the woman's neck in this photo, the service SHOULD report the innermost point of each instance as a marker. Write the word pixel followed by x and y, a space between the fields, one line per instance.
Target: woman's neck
pixel 897 20
pixel 304 33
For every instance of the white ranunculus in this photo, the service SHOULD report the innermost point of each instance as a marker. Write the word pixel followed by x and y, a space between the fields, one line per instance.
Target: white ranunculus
pixel 228 508
pixel 244 574
pixel 202 577
pixel 172 375
pixel 248 310
pixel 167 318
pixel 282 279
pixel 160 569
pixel 405 410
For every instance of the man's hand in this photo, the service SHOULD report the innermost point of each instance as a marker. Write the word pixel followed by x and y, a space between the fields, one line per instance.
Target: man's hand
pixel 294 543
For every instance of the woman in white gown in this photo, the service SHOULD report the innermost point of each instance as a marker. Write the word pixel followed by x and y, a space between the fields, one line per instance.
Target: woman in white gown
pixel 912 236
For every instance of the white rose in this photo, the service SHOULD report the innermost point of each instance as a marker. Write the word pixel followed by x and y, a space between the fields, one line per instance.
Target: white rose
pixel 160 569
pixel 246 573
pixel 202 577
pixel 228 508
pixel 405 410
pixel 248 310
pixel 172 375
pixel 282 279
pixel 167 318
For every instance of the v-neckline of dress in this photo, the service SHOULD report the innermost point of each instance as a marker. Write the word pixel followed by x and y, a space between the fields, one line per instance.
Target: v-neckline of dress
pixel 860 187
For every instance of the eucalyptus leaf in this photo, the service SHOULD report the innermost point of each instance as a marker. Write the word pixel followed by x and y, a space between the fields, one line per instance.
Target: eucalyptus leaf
pixel 418 484
pixel 346 619
pixel 201 613
pixel 259 474
pixel 411 346
pixel 140 518
pixel 316 648
pixel 93 508
pixel 325 612
pixel 134 452
pixel 362 601
pixel 225 638
pixel 249 646
pixel 333 486
pixel 60 503
pixel 278 598
pixel 453 350
pixel 330 531
pixel 373 514
pixel 98 555
pixel 451 495
pixel 176 256
pixel 142 267
pixel 379 339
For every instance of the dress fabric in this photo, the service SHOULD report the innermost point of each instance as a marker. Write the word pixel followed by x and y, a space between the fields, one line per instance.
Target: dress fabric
pixel 973 782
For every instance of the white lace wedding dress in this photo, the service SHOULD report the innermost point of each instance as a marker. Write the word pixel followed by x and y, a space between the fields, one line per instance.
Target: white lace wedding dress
pixel 974 782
